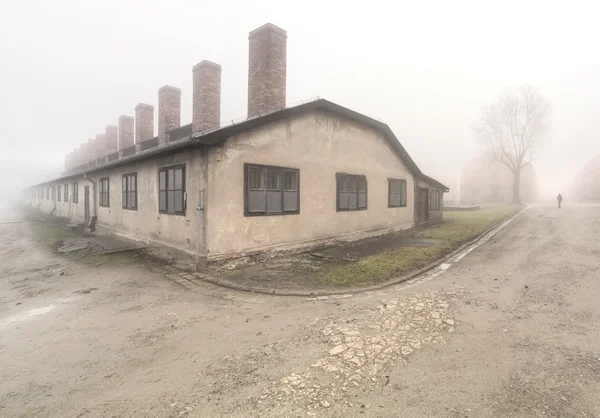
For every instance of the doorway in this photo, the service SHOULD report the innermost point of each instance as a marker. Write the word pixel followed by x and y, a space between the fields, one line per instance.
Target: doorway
pixel 423 206
pixel 86 203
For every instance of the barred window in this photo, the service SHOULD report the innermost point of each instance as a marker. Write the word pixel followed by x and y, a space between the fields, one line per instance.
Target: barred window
pixel 75 192
pixel 397 195
pixel 104 192
pixel 271 190
pixel 171 186
pixel 351 192
pixel 129 190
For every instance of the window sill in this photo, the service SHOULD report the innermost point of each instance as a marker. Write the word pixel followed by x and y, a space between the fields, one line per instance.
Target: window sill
pixel 251 214
pixel 350 210
pixel 397 207
pixel 162 212
pixel 132 209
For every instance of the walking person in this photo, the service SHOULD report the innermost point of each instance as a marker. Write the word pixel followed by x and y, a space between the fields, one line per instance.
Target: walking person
pixel 559 198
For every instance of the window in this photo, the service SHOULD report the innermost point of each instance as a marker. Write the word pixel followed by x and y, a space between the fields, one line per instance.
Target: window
pixel 271 190
pixel 53 193
pixel 75 192
pixel 103 185
pixel 397 193
pixel 58 192
pixel 351 192
pixel 171 190
pixel 434 200
pixel 66 186
pixel 130 191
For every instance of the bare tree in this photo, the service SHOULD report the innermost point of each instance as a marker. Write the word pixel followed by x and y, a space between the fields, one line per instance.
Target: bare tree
pixel 513 126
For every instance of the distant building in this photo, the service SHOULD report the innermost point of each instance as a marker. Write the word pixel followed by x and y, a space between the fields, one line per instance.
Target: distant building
pixel 485 180
pixel 284 178
pixel 586 187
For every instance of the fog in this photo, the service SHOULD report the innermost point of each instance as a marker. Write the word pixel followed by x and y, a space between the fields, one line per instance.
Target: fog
pixel 69 68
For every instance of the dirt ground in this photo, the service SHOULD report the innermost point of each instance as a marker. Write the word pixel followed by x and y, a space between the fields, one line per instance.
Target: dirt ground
pixel 511 330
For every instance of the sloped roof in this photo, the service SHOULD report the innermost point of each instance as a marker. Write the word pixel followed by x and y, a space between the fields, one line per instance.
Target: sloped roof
pixel 220 135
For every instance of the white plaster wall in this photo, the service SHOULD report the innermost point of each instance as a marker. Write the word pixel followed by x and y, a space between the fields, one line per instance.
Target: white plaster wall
pixel 146 223
pixel 320 145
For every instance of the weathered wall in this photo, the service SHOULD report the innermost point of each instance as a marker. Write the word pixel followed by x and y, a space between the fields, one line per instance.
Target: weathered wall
pixel 147 223
pixel 319 145
pixel 69 209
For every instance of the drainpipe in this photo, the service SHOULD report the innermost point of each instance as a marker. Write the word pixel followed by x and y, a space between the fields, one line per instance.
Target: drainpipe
pixel 200 225
pixel 92 224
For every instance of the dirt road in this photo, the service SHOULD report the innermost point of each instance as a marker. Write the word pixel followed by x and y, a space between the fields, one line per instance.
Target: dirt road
pixel 512 330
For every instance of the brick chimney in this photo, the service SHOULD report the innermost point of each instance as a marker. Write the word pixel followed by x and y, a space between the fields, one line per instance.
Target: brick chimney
pixel 98 147
pixel 266 70
pixel 144 122
pixel 112 139
pixel 207 96
pixel 88 151
pixel 126 131
pixel 169 111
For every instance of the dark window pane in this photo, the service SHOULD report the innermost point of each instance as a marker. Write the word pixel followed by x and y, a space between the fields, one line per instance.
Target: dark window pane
pixel 290 201
pixel 290 180
pixel 257 201
pixel 274 202
pixel 170 201
pixel 133 181
pixel 257 178
pixel 343 184
pixel 273 179
pixel 351 184
pixel 162 182
pixel 352 201
pixel 124 184
pixel 170 179
pixel 179 202
pixel 124 199
pixel 361 184
pixel 179 179
pixel 343 200
pixel 162 201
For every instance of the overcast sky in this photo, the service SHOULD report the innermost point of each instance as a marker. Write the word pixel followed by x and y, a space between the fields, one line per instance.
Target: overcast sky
pixel 70 67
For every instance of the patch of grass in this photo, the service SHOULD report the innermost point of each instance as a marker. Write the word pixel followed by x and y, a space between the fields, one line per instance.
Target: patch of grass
pixel 457 228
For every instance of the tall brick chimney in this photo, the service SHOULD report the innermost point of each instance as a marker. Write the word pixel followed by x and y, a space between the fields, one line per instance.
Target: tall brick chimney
pixel 169 111
pixel 126 131
pixel 112 139
pixel 144 122
pixel 99 147
pixel 88 149
pixel 266 70
pixel 207 96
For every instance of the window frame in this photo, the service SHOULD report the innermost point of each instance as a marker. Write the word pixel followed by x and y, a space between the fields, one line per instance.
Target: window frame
pixel 123 192
pixel 282 170
pixel 66 192
pixel 438 204
pixel 75 193
pixel 355 177
pixel 165 170
pixel 58 193
pixel 106 193
pixel 403 183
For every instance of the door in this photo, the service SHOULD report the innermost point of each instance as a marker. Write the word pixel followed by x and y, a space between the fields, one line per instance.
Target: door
pixel 86 203
pixel 423 206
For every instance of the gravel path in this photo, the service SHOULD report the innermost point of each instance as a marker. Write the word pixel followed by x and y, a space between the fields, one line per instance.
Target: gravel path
pixel 513 329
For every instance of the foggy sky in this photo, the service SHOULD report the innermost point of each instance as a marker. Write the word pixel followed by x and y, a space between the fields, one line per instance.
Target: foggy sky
pixel 71 67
